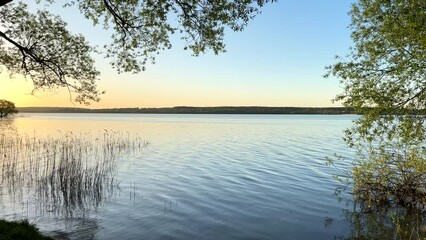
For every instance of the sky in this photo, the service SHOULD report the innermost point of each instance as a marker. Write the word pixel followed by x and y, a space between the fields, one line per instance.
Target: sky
pixel 278 60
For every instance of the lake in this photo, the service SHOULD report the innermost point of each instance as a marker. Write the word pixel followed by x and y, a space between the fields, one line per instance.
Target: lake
pixel 203 177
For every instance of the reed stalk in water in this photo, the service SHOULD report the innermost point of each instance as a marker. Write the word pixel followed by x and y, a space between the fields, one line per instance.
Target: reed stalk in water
pixel 69 173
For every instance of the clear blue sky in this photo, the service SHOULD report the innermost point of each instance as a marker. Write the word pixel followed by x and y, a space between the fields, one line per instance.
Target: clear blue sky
pixel 278 60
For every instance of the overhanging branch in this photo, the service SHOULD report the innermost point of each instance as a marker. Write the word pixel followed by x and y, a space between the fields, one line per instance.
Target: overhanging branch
pixel 4 2
pixel 45 63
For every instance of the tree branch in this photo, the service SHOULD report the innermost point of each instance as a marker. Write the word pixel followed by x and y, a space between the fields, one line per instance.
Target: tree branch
pixel 403 103
pixel 43 62
pixel 4 2
pixel 20 47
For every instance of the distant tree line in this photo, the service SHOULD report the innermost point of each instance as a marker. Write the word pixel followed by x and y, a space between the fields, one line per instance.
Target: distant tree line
pixel 198 110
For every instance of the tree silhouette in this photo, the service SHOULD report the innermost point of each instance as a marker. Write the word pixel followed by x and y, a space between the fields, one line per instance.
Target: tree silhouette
pixel 38 45
pixel 7 108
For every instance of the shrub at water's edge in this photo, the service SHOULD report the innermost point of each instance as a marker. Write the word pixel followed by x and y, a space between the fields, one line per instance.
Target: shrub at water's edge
pixel 386 178
pixel 20 230
pixel 389 168
pixel 383 81
pixel 396 177
pixel 7 108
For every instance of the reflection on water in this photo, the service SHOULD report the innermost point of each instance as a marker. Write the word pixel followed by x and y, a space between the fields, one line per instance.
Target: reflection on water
pixel 64 176
pixel 384 224
pixel 7 125
pixel 203 177
pixel 84 228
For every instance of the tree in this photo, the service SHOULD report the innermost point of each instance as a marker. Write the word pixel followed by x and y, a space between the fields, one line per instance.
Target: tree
pixel 39 46
pixel 7 108
pixel 384 80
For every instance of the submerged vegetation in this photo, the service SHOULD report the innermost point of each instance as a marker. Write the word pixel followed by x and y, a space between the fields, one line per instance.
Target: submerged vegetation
pixel 394 177
pixel 387 181
pixel 386 173
pixel 67 174
pixel 396 224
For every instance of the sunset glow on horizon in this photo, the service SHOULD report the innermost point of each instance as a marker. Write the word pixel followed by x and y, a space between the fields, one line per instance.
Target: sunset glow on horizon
pixel 278 60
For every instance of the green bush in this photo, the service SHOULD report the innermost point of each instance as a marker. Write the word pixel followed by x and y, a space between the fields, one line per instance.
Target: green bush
pixel 392 177
pixel 20 230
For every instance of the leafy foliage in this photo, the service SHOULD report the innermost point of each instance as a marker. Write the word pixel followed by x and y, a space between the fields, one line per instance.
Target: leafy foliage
pixel 7 108
pixel 384 79
pixel 39 46
pixel 391 175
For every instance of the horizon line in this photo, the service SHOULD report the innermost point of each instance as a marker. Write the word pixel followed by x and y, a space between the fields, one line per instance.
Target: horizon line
pixel 185 106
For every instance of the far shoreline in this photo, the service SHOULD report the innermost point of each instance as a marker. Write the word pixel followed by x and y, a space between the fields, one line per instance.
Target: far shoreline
pixel 199 110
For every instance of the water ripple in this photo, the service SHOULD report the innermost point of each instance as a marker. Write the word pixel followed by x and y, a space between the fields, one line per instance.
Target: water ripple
pixel 214 177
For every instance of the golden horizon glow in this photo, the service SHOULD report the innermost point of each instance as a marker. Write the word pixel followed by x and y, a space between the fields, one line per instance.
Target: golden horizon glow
pixel 273 62
pixel 147 93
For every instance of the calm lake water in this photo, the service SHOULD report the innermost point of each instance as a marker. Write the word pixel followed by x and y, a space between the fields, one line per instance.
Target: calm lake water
pixel 204 177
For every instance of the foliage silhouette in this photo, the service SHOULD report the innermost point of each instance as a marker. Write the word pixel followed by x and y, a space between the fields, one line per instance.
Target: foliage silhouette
pixel 39 46
pixel 7 108
pixel 384 81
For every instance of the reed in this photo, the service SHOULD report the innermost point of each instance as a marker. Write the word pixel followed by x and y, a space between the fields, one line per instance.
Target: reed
pixel 69 173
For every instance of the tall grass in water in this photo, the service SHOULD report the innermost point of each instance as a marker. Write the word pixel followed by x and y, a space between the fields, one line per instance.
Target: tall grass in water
pixel 69 173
